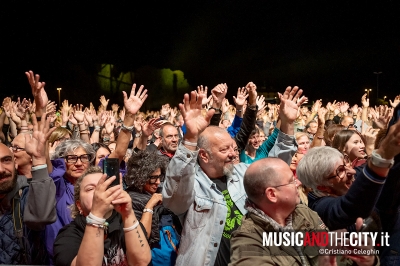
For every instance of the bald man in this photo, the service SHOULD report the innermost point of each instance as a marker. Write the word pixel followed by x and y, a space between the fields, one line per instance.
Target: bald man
pixel 204 186
pixel 33 205
pixel 273 206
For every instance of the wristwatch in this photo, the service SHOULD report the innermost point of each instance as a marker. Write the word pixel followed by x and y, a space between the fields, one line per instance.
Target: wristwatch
pixel 378 161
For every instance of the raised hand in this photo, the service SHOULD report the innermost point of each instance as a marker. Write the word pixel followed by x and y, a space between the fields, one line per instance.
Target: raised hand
pixel 224 106
pixel 149 127
pixel 104 195
pixel 88 116
pixel 35 144
pixel 260 101
pixel 395 102
pixel 122 114
pixel 115 107
pixel 78 113
pixel 72 119
pixel 38 91
pixel 104 102
pixel 321 115
pixel 165 109
pixel 218 94
pixel 365 101
pixel 241 97
pixel 354 109
pixel 135 101
pixel 343 107
pixel 203 91
pixel 316 106
pixel 289 105
pixel 252 91
pixel 51 107
pixel 191 112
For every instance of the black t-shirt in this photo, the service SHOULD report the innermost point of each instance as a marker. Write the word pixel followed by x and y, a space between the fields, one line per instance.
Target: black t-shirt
pixel 233 221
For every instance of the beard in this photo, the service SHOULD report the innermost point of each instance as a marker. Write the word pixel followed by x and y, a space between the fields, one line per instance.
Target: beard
pixel 228 170
pixel 6 187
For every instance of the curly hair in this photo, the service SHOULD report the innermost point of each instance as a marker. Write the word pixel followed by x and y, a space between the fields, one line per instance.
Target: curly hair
pixel 141 165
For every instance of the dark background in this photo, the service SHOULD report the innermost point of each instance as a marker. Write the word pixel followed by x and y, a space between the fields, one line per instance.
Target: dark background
pixel 329 49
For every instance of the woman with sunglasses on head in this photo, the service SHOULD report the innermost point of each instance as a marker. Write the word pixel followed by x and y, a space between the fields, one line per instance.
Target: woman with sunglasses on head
pixel 337 198
pixel 145 172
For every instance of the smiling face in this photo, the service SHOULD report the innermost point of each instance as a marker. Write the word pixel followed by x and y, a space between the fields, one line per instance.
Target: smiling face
pixel 341 183
pixel 21 157
pixel 152 188
pixel 254 141
pixel 295 160
pixel 219 159
pixel 75 170
pixel 355 147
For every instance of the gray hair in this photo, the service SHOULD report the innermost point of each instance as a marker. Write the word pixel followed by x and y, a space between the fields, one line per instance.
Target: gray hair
pixel 70 145
pixel 317 165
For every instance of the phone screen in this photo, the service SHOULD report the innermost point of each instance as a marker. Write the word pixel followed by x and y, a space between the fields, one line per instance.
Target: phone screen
pixel 111 168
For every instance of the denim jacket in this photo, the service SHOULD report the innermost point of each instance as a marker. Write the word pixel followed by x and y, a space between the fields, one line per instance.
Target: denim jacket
pixel 191 195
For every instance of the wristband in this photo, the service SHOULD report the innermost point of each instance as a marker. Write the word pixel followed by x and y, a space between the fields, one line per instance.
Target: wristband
pixel 81 123
pixel 378 161
pixel 192 144
pixel 133 227
pixel 130 129
pixel 95 218
pixel 239 110
pixel 148 210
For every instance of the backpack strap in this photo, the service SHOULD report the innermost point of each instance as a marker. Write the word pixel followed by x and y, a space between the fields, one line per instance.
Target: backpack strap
pixel 168 233
pixel 17 220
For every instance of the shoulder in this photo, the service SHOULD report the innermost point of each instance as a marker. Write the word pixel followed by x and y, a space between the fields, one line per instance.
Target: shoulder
pixel 311 217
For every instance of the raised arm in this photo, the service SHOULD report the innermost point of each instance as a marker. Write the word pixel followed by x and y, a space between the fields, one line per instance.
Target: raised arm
pixel 178 192
pixel 132 105
pixel 41 202
pixel 38 92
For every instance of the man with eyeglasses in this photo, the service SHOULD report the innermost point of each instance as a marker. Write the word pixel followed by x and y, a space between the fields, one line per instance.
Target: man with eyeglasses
pixel 204 186
pixel 25 209
pixel 273 206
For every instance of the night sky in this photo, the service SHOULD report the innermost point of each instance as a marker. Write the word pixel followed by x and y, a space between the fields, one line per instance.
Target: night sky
pixel 329 49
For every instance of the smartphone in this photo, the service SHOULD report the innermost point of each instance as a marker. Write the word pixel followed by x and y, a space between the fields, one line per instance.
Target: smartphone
pixel 111 168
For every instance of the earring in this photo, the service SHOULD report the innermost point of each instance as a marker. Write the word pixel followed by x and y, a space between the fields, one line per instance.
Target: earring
pixel 80 212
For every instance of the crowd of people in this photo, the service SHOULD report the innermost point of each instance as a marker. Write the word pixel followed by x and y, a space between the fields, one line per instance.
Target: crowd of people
pixel 199 184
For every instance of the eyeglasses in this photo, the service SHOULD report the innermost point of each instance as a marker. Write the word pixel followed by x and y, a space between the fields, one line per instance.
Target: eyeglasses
pixel 153 178
pixel 74 158
pixel 16 148
pixel 351 126
pixel 342 169
pixel 294 181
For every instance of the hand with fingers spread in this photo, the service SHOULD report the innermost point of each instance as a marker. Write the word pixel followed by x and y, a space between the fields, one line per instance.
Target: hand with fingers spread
pixel 354 109
pixel 88 117
pixel 135 101
pixel 317 104
pixel 224 106
pixel 149 127
pixel 369 134
pixel 260 103
pixel 165 110
pixel 78 113
pixel 203 92
pixel 288 108
pixel 344 106
pixel 35 144
pixel 122 114
pixel 191 112
pixel 72 119
pixel 240 98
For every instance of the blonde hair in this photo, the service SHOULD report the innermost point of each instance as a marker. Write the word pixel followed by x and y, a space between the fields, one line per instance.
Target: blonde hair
pixel 59 133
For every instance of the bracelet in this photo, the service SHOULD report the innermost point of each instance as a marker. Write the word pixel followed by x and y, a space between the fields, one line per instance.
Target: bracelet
pixel 64 126
pixel 252 107
pixel 148 210
pixel 133 227
pixel 239 110
pixel 130 129
pixel 96 128
pixel 95 218
pixel 81 123
pixel 192 144
pixel 84 132
pixel 138 135
pixel 100 226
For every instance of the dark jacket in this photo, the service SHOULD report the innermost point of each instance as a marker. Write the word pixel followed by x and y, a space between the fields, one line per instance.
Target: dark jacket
pixel 37 209
pixel 247 241
pixel 359 201
pixel 139 201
